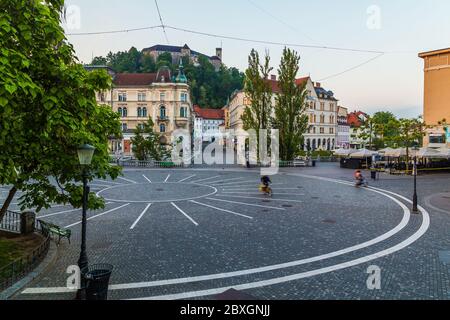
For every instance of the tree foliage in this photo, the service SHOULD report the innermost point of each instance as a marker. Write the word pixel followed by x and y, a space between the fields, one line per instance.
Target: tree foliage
pixel 47 109
pixel 146 143
pixel 290 106
pixel 259 92
pixel 209 87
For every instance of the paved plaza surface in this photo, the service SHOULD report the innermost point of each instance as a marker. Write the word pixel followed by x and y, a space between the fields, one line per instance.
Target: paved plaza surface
pixel 194 233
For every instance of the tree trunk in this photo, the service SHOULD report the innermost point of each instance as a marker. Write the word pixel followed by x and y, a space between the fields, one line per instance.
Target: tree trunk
pixel 8 200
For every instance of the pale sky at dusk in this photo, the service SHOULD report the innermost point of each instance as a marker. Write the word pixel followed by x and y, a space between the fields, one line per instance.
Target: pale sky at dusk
pixel 392 82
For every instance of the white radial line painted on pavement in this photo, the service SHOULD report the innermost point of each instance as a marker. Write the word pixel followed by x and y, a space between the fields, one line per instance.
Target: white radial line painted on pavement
pixel 239 183
pixel 220 209
pixel 424 227
pixel 256 193
pixel 248 204
pixel 219 182
pixel 62 212
pixel 185 214
pixel 187 178
pixel 127 180
pixel 98 215
pixel 140 217
pixel 145 177
pixel 256 198
pixel 167 179
pixel 205 179
pixel 258 284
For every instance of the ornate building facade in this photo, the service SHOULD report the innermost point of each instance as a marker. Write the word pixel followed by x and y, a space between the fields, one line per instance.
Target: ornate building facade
pixel 161 96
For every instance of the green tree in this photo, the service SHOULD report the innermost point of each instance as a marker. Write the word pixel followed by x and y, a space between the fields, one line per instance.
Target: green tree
pixel 290 106
pixel 147 143
pixel 47 109
pixel 147 64
pixel 259 92
pixel 164 60
pixel 411 133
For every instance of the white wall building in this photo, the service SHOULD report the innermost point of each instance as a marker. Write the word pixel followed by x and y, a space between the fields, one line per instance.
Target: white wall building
pixel 208 123
pixel 343 131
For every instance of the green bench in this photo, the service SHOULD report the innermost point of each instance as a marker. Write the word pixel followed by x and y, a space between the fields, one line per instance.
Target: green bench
pixel 55 230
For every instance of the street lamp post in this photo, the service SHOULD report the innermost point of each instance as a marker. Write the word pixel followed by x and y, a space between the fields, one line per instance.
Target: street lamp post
pixel 415 209
pixel 85 154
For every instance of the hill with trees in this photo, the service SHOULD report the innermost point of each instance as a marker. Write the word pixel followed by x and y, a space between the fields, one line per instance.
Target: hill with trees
pixel 209 88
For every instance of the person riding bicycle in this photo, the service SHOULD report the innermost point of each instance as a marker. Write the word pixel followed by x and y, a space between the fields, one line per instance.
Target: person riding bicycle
pixel 360 180
pixel 265 182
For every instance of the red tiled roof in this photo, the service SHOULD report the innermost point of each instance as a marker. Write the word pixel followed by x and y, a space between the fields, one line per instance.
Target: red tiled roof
pixel 206 113
pixel 134 79
pixel 353 118
pixel 275 87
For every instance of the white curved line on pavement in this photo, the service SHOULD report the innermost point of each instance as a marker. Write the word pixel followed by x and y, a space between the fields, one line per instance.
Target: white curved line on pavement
pixel 182 180
pixel 127 180
pixel 256 198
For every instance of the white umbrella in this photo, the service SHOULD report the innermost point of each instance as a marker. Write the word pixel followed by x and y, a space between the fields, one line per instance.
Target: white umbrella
pixel 344 152
pixel 400 152
pixel 430 153
pixel 445 152
pixel 363 153
pixel 385 150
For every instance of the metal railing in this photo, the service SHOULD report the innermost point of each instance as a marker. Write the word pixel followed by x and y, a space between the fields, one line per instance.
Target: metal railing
pixel 11 222
pixel 20 267
pixel 150 164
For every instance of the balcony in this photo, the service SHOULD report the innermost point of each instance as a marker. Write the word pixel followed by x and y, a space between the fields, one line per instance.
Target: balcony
pixel 163 119
pixel 181 121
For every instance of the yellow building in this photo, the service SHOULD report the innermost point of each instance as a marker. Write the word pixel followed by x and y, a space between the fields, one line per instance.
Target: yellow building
pixel 436 96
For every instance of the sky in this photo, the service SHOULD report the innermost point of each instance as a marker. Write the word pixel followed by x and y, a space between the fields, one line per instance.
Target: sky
pixel 392 82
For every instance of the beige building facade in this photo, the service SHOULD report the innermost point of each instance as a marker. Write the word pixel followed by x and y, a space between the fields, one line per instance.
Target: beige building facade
pixel 138 97
pixel 436 105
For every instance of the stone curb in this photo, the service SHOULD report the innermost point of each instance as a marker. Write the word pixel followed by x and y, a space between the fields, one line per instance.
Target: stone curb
pixel 37 272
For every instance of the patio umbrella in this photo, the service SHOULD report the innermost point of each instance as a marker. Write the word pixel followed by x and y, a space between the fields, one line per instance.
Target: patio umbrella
pixel 445 152
pixel 385 150
pixel 363 153
pixel 430 153
pixel 344 152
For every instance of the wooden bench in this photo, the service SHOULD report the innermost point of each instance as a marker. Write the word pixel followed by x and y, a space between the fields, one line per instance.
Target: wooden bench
pixel 56 230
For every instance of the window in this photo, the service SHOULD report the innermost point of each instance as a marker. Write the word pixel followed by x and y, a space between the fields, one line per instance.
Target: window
pixel 142 96
pixel 322 106
pixel 124 112
pixel 183 112
pixel 331 130
pixel 162 128
pixel 139 112
pixel 162 96
pixel 322 130
pixel 102 97
pixel 437 139
pixel 141 126
pixel 119 111
pixel 183 97
pixel 122 96
pixel 144 112
pixel 162 112
pixel 314 129
pixel 124 126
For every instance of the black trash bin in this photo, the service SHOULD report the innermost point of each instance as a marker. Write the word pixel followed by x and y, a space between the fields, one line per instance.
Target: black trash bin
pixel 97 281
pixel 314 163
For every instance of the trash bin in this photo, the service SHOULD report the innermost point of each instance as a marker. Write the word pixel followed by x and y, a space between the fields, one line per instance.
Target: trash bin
pixel 97 281
pixel 314 163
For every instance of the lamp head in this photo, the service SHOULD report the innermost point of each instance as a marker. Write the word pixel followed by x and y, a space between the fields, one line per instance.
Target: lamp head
pixel 85 154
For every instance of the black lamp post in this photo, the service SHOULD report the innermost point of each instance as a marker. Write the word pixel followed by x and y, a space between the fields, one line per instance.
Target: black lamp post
pixel 415 209
pixel 85 154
